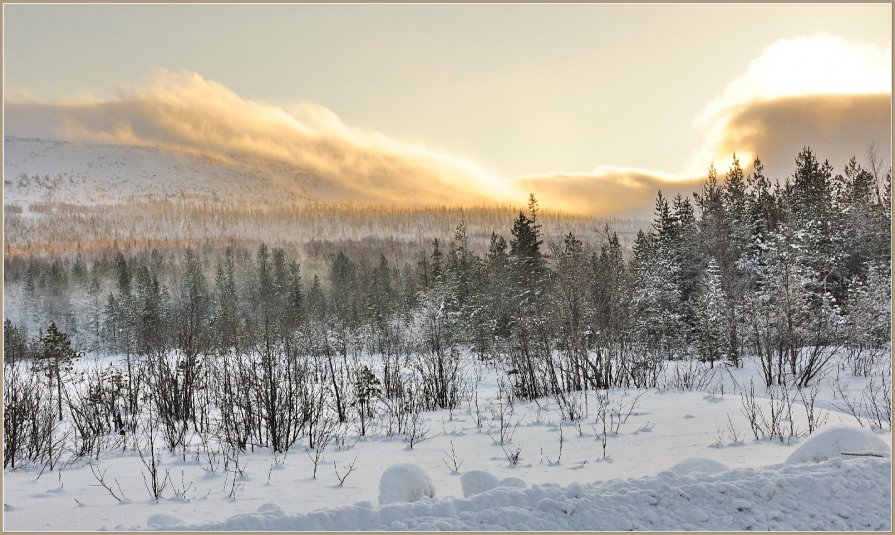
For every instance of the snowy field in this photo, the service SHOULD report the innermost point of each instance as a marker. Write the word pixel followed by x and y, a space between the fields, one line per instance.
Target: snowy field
pixel 564 477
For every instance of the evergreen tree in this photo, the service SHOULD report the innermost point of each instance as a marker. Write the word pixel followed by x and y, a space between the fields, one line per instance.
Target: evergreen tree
pixel 657 299
pixel 527 262
pixel 711 331
pixel 367 387
pixel 193 307
pixel 811 190
pixel 437 271
pixel 226 321
pixel 56 357
pixel 15 343
pixel 611 299
pixel 150 300
pixel 343 290
pixel 496 273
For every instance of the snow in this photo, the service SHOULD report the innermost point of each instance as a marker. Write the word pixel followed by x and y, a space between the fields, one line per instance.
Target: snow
pixel 836 494
pixel 163 520
pixel 41 170
pixel 697 465
pixel 404 482
pixel 477 481
pixel 839 441
pixel 512 482
pixel 648 478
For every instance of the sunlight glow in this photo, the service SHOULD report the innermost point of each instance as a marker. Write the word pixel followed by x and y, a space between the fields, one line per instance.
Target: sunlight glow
pixel 799 66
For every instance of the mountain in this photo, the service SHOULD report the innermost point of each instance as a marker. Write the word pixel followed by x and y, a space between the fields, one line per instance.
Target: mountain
pixel 42 170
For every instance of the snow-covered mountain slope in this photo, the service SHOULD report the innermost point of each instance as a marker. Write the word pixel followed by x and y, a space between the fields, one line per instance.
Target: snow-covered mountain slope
pixel 40 170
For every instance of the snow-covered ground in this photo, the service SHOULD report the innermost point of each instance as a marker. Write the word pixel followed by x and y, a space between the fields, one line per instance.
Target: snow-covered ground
pixel 569 483
pixel 834 495
pixel 41 170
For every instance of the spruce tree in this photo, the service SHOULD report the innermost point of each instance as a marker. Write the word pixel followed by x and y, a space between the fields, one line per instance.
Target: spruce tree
pixel 56 357
pixel 710 331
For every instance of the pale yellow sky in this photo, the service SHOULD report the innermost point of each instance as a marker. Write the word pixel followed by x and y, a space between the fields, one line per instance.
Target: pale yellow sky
pixel 498 91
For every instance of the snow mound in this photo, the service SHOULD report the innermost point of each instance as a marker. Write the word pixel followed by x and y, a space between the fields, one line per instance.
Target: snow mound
pixel 404 482
pixel 839 441
pixel 838 495
pixel 477 481
pixel 270 508
pixel 163 520
pixel 697 465
pixel 514 482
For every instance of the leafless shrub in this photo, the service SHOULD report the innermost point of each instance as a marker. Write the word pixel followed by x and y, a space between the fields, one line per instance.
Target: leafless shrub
pixel 512 455
pixel 455 464
pixel 343 477
pixel 815 420
pixel 417 431
pixel 875 406
pixel 100 477
pixel 153 479
pixel 690 375
pixel 181 491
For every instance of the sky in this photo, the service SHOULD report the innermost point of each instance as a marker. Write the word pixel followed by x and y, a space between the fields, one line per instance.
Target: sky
pixel 578 100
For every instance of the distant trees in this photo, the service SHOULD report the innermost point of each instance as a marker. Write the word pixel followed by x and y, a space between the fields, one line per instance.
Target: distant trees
pixel 15 343
pixel 783 271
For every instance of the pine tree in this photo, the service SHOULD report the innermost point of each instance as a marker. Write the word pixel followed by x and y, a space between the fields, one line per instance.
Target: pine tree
pixel 571 285
pixel 317 305
pixel 496 273
pixel 367 388
pixel 811 189
pixel 437 270
pixel 150 300
pixel 193 306
pixel 657 299
pixel 611 304
pixel 15 343
pixel 344 290
pixel 710 332
pixel 226 321
pixel 56 356
pixel 527 262
pixel 869 318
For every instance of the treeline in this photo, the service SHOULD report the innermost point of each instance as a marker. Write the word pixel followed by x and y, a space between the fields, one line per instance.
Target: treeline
pixel 61 230
pixel 243 346
pixel 787 272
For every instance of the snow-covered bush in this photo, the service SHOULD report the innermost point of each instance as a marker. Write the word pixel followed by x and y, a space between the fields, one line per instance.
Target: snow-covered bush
pixel 839 441
pixel 477 481
pixel 404 482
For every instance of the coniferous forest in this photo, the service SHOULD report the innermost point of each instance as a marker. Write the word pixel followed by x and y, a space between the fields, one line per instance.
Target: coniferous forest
pixel 243 345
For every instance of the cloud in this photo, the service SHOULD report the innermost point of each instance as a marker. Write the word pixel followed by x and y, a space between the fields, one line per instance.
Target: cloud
pixel 824 86
pixel 836 127
pixel 608 190
pixel 821 91
pixel 186 112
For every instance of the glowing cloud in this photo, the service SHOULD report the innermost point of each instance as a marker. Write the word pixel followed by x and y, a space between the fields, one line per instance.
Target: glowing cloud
pixel 822 91
pixel 186 112
pixel 787 71
pixel 608 190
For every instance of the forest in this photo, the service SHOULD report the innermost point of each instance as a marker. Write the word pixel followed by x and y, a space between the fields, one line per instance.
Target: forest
pixel 247 348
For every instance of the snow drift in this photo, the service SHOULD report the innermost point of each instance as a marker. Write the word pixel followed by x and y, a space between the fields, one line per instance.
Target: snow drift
pixel 839 441
pixel 404 482
pixel 477 481
pixel 837 494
